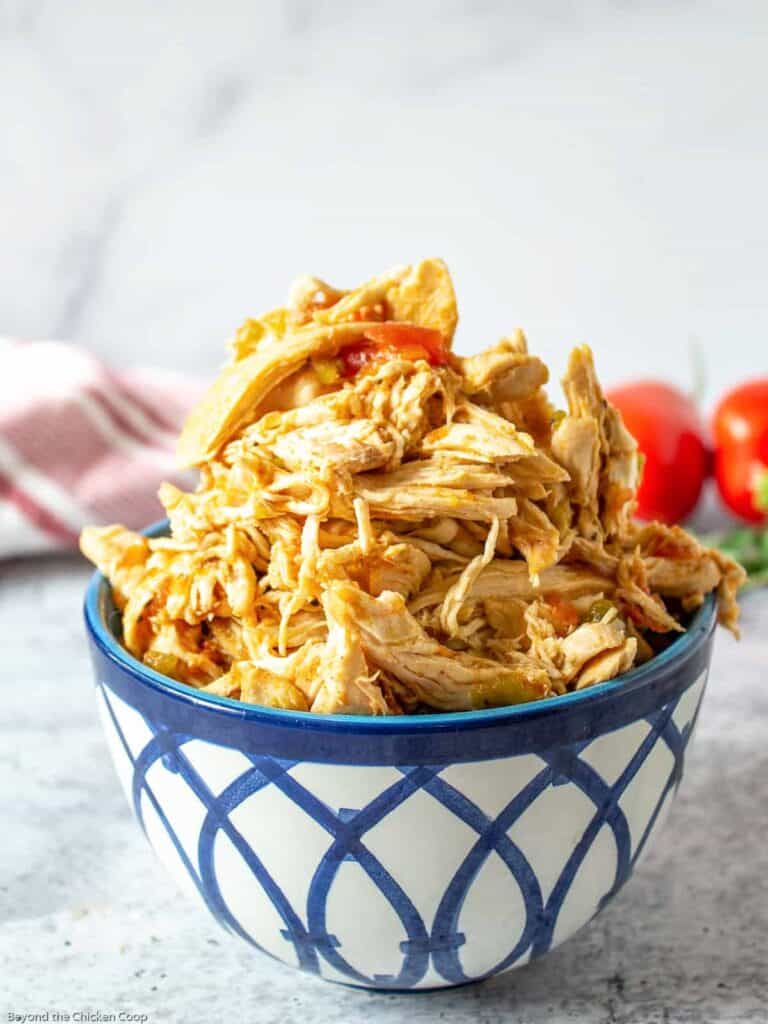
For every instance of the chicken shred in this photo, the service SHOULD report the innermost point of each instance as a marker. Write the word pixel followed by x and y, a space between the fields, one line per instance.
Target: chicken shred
pixel 419 532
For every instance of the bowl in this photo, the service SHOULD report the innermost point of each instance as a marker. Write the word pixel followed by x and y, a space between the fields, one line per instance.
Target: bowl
pixel 410 852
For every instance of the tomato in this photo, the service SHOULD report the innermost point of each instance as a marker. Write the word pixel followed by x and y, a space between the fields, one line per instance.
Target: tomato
pixel 355 357
pixel 740 429
pixel 404 336
pixel 395 339
pixel 666 425
pixel 565 614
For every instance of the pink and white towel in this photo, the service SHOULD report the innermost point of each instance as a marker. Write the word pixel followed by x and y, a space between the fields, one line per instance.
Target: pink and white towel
pixel 81 443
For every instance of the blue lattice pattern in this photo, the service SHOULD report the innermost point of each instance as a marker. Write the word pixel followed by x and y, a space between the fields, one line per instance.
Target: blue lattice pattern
pixel 201 798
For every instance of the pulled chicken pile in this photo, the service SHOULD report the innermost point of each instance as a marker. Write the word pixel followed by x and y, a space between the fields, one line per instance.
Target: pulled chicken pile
pixel 383 527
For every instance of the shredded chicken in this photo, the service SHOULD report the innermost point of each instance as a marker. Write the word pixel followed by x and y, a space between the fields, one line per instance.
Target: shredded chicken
pixel 384 527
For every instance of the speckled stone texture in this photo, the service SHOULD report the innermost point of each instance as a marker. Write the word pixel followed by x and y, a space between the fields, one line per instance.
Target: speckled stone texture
pixel 89 920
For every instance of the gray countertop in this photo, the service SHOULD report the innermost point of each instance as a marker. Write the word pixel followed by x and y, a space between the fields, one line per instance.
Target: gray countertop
pixel 90 922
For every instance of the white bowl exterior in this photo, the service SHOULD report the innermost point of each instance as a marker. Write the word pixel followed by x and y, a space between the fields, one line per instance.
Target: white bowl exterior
pixel 350 871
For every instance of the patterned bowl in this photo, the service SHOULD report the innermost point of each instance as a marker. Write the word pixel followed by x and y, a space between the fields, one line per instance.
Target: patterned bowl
pixel 403 853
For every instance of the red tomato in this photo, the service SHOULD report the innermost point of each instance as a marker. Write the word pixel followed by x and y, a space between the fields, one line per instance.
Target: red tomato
pixel 355 357
pixel 740 428
pixel 565 614
pixel 389 339
pixel 666 425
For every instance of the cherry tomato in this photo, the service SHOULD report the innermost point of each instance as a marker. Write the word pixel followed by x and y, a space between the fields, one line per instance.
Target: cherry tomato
pixel 667 427
pixel 390 339
pixel 740 429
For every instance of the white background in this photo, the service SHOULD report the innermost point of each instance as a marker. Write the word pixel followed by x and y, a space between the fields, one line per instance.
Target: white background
pixel 591 171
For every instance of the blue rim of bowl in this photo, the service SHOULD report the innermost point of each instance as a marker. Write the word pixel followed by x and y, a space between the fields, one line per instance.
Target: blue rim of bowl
pixel 664 664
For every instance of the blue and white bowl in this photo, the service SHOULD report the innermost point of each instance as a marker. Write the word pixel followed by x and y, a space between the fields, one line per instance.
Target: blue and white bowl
pixel 410 852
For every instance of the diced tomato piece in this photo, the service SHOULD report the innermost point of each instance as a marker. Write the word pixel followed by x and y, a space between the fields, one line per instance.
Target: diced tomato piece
pixel 356 357
pixel 565 614
pixel 405 337
pixel 388 340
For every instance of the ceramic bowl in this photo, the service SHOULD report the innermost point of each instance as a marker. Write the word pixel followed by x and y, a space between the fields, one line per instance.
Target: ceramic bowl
pixel 404 853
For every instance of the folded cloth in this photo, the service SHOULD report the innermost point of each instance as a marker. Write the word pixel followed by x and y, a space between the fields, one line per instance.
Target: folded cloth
pixel 82 443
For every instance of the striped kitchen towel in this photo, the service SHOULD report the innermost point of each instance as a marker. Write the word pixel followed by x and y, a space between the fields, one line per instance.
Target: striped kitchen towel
pixel 81 443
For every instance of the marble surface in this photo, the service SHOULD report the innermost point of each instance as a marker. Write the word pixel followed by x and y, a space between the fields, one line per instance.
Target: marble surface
pixel 591 171
pixel 89 921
